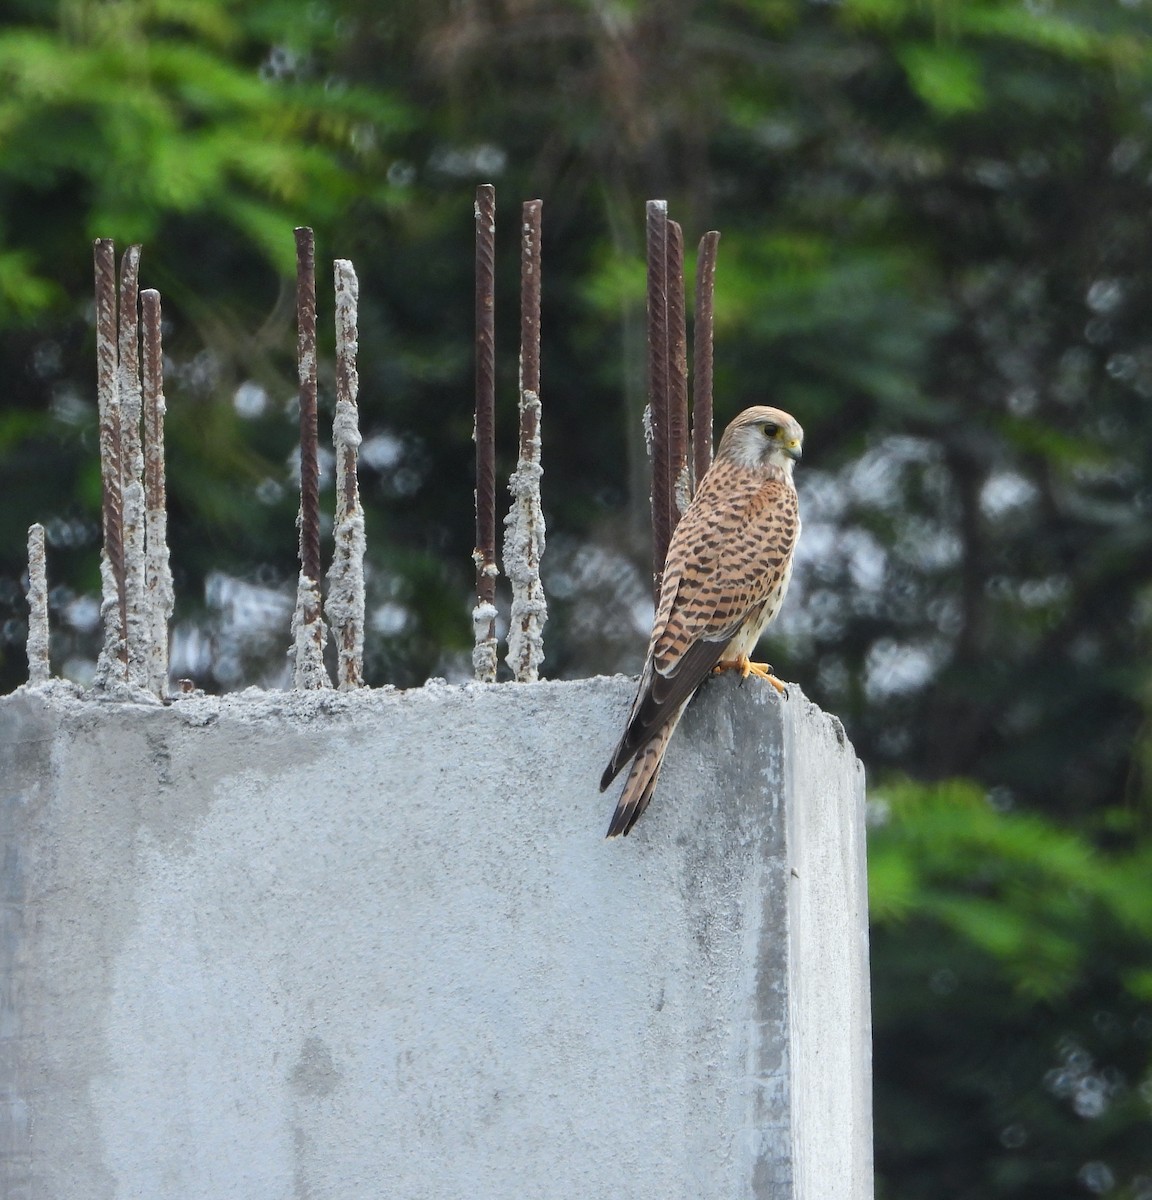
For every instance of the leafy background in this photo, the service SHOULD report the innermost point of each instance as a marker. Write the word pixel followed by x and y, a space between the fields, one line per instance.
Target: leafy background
pixel 936 217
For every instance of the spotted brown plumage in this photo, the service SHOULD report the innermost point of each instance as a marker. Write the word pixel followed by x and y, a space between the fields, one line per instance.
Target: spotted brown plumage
pixel 727 569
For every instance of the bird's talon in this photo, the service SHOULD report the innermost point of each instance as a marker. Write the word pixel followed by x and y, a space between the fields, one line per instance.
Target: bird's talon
pixel 747 667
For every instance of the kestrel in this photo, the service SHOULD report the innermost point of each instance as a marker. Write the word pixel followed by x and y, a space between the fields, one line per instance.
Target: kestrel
pixel 727 569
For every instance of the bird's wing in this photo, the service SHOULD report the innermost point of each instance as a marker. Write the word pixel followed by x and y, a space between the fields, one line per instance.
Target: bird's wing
pixel 728 557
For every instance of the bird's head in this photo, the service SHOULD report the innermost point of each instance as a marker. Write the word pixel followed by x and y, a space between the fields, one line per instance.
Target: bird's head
pixel 763 438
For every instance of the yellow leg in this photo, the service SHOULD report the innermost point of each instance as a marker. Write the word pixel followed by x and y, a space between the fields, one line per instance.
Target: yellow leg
pixel 747 667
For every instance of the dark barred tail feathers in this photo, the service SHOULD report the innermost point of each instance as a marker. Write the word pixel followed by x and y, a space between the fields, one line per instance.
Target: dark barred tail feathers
pixel 641 782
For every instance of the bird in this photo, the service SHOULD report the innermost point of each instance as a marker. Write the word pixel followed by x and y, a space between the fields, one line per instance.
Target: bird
pixel 725 575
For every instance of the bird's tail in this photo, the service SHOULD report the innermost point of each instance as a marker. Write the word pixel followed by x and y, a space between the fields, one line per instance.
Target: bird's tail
pixel 641 782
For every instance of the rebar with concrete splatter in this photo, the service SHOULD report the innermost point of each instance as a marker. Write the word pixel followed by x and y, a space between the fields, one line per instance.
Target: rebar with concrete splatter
pixel 38 668
pixel 524 536
pixel 158 590
pixel 137 633
pixel 344 606
pixel 112 662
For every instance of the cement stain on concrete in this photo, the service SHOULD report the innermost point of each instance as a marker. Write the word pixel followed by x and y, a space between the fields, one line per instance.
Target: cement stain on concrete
pixel 315 1073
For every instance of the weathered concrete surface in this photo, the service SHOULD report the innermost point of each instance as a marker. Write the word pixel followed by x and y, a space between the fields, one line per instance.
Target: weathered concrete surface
pixel 323 945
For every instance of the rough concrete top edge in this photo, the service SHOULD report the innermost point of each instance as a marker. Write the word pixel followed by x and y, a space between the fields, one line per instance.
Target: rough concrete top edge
pixel 66 696
pixel 63 698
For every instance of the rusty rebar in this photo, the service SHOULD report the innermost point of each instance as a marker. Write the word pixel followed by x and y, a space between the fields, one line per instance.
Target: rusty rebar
pixel 136 624
pixel 679 474
pixel 524 536
pixel 113 656
pixel 530 282
pixel 306 364
pixel 159 594
pixel 308 630
pixel 344 606
pixel 155 486
pixel 658 399
pixel 128 361
pixel 484 555
pixel 702 355
pixel 38 668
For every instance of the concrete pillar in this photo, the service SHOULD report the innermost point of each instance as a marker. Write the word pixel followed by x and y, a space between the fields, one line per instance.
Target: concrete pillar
pixel 374 944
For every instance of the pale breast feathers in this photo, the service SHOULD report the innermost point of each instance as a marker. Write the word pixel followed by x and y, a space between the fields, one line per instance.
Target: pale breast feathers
pixel 726 560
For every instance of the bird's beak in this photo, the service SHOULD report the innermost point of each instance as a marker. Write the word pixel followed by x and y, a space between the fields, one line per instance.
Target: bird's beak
pixel 794 450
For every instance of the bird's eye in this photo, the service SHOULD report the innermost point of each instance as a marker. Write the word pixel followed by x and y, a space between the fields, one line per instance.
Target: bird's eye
pixel 768 429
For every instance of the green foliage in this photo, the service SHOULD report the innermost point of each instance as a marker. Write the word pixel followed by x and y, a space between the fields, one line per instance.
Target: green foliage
pixel 145 111
pixel 945 78
pixel 1017 887
pixel 22 293
pixel 1007 1004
